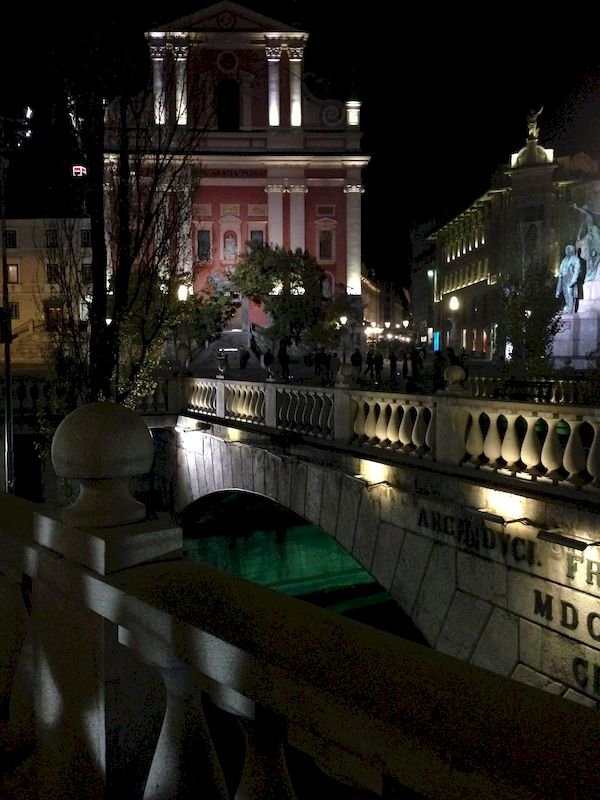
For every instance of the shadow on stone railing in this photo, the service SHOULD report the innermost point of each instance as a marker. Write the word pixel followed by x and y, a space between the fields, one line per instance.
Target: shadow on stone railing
pixel 111 664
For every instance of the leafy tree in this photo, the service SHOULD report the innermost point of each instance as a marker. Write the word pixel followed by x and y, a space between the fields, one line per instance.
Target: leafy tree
pixel 289 286
pixel 530 316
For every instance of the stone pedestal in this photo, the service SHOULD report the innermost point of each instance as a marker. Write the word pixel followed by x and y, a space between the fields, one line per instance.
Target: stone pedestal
pixel 577 342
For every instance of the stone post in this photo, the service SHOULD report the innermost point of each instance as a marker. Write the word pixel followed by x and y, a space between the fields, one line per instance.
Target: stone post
pixel 88 687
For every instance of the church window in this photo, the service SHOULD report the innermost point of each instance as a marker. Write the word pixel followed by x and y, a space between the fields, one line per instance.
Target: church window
pixel 204 245
pixel 228 105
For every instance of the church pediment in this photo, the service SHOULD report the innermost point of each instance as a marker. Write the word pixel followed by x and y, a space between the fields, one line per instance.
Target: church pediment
pixel 227 17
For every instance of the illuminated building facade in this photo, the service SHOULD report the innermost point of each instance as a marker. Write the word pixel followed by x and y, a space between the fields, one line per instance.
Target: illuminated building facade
pixel 524 220
pixel 271 163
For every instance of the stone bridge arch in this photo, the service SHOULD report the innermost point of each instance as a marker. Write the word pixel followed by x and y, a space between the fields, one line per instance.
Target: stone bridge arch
pixel 342 506
pixel 486 593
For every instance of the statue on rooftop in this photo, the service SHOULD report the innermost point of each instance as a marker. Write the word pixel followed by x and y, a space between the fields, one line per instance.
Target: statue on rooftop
pixel 588 240
pixel 533 130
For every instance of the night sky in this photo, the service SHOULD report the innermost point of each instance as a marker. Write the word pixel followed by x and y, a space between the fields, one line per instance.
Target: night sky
pixel 445 95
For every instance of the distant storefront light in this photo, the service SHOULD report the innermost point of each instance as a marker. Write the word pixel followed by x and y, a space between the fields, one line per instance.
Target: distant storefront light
pixel 79 171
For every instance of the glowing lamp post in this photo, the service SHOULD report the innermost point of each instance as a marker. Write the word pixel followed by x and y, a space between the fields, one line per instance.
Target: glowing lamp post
pixel 343 321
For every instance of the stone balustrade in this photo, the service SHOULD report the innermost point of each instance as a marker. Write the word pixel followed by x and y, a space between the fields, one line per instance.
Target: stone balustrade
pixel 111 644
pixel 553 443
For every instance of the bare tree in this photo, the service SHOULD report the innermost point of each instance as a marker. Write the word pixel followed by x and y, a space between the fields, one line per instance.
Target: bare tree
pixel 140 178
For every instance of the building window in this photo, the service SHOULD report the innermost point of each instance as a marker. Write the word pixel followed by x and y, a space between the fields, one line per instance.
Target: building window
pixel 13 273
pixel 52 273
pixel 86 274
pixel 10 238
pixel 204 248
pixel 326 245
pixel 86 237
pixel 257 238
pixel 228 105
pixel 229 246
pixel 51 237
pixel 53 317
pixel 14 310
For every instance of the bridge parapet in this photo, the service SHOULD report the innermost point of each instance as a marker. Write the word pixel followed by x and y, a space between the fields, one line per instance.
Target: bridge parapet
pixel 553 444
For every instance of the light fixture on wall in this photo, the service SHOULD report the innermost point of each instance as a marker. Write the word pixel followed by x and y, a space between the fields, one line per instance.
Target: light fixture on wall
pixel 491 516
pixel 371 484
pixel 557 536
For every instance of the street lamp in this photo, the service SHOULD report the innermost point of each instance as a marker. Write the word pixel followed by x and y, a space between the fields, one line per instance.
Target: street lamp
pixel 343 321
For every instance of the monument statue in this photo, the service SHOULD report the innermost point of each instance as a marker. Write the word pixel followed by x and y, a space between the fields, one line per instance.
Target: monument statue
pixel 588 240
pixel 567 279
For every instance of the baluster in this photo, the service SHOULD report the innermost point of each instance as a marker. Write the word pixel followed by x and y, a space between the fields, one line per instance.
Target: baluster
pixel 382 423
pixel 360 418
pixel 419 431
pixel 392 433
pixel 574 457
pixel 430 436
pixel 593 461
pixel 185 763
pixel 283 408
pixel 531 449
pixel 406 428
pixel 245 403
pixel 511 446
pixel 371 420
pixel 474 443
pixel 326 417
pixel 492 445
pixel 295 410
pixel 552 454
pixel 265 775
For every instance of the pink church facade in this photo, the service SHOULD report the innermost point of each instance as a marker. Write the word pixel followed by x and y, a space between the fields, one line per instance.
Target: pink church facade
pixel 273 163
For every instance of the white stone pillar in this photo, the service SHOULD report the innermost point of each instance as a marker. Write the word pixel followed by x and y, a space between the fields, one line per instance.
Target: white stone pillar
pixel 181 99
pixel 295 58
pixel 297 223
pixel 353 113
pixel 275 213
pixel 274 60
pixel 158 85
pixel 353 192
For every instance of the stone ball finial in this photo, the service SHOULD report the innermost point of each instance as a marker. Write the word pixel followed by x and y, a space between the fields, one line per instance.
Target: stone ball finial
pixel 103 445
pixel 454 375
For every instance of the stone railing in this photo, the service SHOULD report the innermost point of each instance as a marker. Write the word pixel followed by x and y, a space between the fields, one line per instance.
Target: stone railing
pixel 555 443
pixel 112 646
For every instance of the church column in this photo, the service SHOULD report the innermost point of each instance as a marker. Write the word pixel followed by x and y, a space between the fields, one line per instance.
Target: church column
pixel 181 99
pixel 295 58
pixel 297 223
pixel 275 213
pixel 353 192
pixel 158 85
pixel 273 60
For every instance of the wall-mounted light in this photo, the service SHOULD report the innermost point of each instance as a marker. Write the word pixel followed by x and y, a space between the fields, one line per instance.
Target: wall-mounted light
pixel 556 536
pixel 371 484
pixel 491 516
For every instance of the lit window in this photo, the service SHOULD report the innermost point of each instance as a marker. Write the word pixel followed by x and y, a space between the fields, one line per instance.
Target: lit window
pixel 13 273
pixel 51 237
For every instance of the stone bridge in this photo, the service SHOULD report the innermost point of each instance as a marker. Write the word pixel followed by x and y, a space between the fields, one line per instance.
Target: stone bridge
pixel 441 498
